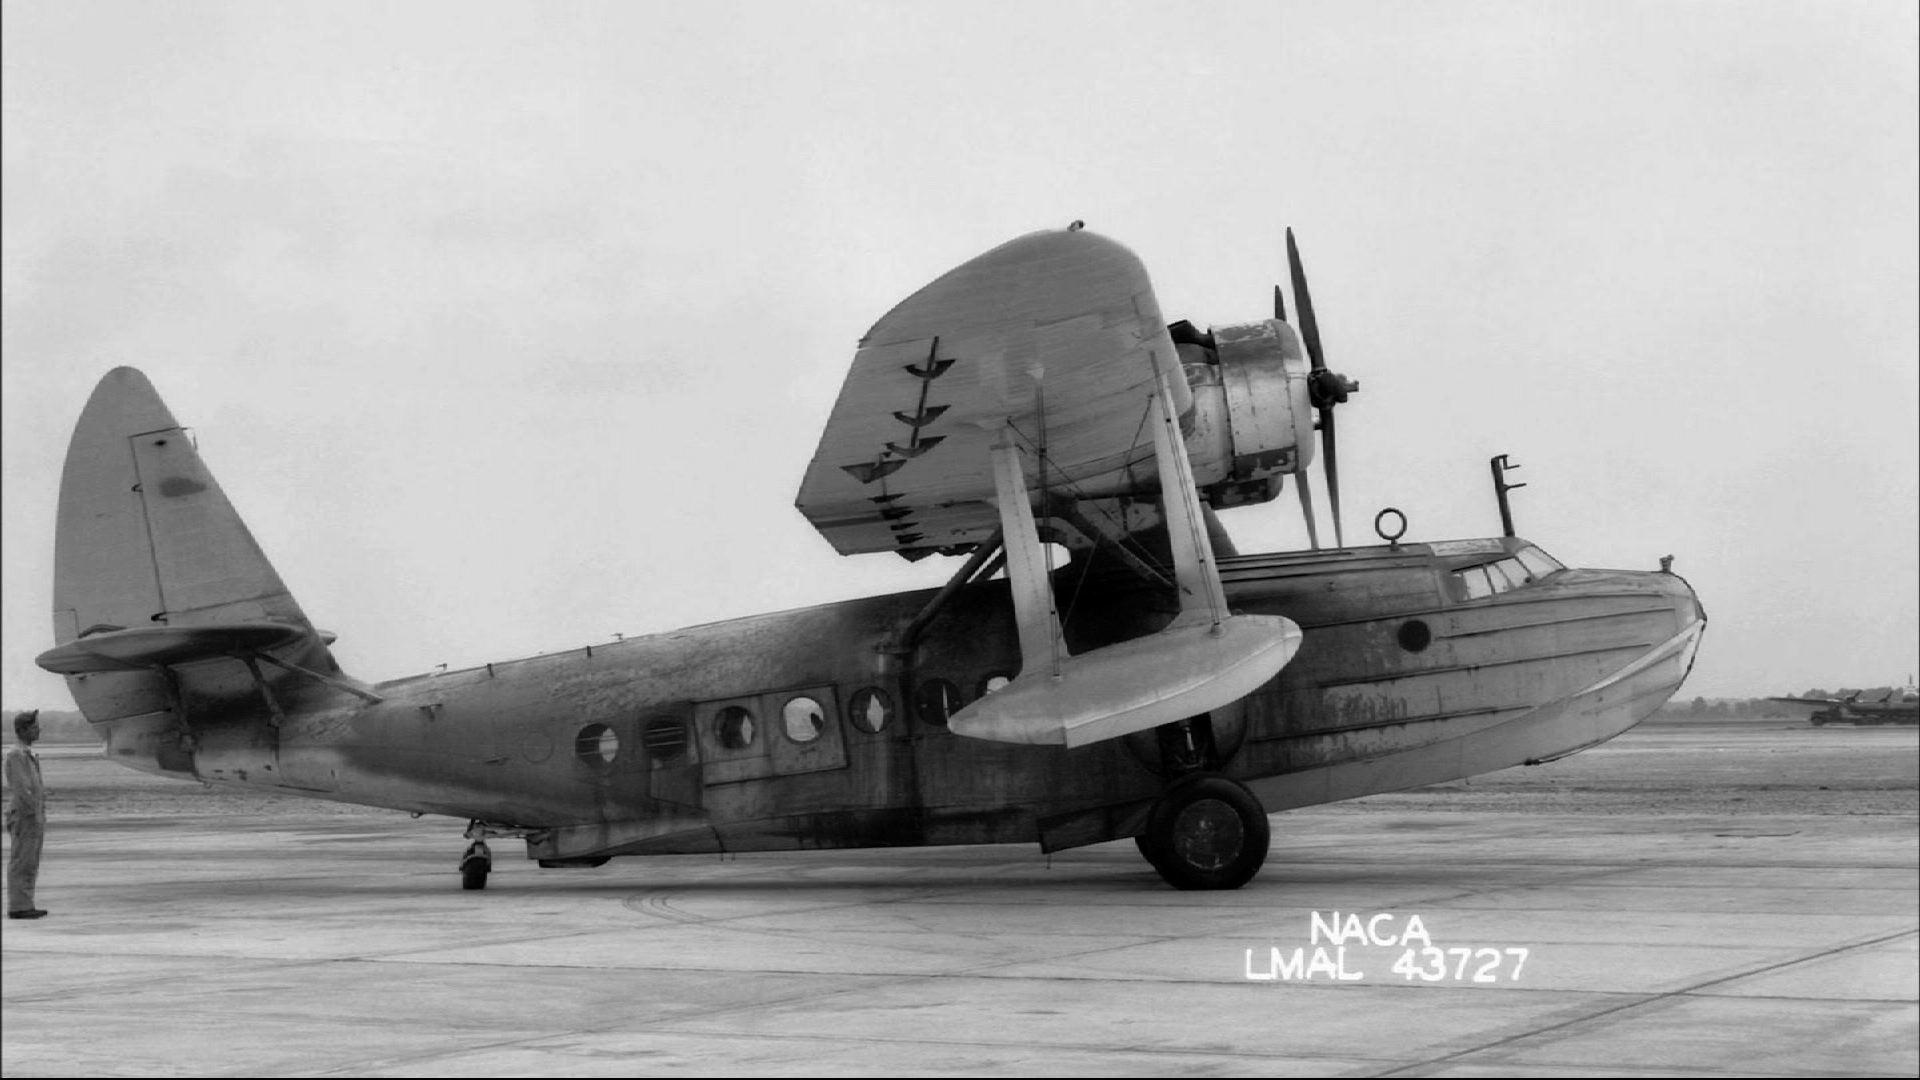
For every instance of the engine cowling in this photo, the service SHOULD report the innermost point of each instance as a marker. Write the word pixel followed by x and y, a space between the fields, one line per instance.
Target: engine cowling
pixel 1252 413
pixel 1247 419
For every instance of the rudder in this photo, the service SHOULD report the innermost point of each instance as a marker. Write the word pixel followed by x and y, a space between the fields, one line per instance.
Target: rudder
pixel 163 601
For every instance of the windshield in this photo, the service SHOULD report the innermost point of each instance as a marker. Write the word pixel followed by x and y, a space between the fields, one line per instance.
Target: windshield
pixel 1538 562
pixel 1524 567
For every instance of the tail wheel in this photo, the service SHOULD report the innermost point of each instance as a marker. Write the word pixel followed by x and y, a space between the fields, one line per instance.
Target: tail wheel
pixel 474 875
pixel 475 865
pixel 1206 832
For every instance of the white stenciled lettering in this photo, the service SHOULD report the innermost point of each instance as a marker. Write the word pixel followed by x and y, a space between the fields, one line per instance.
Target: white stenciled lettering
pixel 1332 933
pixel 1323 928
pixel 1262 976
pixel 1415 929
pixel 1334 928
pixel 1332 966
pixel 1430 964
pixel 1292 967
pixel 1299 964
pixel 1345 975
pixel 1322 964
pixel 1280 965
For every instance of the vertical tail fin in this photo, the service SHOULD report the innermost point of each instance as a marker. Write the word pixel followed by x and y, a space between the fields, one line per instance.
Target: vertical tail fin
pixel 158 586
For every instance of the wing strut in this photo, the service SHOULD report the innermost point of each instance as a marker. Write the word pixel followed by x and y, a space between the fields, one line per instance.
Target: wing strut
pixel 1201 597
pixel 1204 659
pixel 1033 608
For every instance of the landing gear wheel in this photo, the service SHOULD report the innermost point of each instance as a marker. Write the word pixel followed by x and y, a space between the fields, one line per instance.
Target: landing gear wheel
pixel 1206 832
pixel 1147 853
pixel 475 865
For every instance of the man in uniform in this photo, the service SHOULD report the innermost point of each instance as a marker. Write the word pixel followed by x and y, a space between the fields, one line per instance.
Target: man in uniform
pixel 26 818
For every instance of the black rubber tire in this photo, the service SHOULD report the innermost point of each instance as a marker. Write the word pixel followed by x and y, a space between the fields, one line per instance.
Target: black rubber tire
pixel 1206 832
pixel 473 873
pixel 1147 852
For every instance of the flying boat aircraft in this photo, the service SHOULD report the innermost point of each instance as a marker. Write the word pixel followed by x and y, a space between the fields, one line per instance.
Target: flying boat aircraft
pixel 1153 683
pixel 1862 708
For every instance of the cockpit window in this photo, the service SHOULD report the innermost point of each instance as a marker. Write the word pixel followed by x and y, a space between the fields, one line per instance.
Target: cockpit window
pixel 1475 579
pixel 1538 562
pixel 1522 568
pixel 1509 569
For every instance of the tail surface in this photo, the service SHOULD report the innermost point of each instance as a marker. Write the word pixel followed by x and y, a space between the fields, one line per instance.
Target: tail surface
pixel 163 604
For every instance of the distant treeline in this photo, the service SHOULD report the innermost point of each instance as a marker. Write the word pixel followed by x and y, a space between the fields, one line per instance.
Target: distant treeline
pixel 1701 708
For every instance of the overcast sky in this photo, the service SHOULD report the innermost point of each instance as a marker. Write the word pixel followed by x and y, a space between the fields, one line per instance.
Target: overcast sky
pixel 510 327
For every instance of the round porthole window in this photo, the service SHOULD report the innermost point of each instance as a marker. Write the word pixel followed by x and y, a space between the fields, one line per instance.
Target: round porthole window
pixel 938 700
pixel 1415 635
pixel 870 710
pixel 596 745
pixel 803 719
pixel 733 726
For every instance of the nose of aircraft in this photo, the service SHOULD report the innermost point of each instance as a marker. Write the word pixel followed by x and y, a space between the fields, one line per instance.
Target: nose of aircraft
pixel 1686 603
pixel 1661 616
pixel 1689 616
pixel 1670 587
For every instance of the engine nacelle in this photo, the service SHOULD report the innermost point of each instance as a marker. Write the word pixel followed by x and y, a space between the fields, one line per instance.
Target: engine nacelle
pixel 1252 415
pixel 1247 420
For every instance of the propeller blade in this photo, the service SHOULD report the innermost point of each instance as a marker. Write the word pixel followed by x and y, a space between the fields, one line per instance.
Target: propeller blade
pixel 1331 462
pixel 1305 489
pixel 1309 330
pixel 1279 304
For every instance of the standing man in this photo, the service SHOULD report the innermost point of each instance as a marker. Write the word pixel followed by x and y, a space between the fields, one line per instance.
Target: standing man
pixel 26 818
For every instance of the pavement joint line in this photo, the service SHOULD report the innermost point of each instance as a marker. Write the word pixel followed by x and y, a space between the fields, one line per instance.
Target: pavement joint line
pixel 1649 999
pixel 1878 939
pixel 56 997
pixel 362 1068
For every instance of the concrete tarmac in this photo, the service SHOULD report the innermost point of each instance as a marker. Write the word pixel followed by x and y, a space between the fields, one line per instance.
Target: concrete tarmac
pixel 1583 925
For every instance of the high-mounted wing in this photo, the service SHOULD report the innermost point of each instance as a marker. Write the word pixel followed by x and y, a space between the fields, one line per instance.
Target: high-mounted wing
pixel 1051 332
pixel 1042 366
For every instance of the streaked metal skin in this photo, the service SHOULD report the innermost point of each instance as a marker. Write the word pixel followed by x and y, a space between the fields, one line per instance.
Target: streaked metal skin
pixel 1262 392
pixel 1525 675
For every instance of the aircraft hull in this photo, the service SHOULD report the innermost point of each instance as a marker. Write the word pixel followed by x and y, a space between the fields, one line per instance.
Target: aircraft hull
pixel 1561 727
pixel 618 749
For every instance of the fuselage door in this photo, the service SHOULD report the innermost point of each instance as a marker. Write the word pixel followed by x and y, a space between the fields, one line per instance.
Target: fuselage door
pixel 771 734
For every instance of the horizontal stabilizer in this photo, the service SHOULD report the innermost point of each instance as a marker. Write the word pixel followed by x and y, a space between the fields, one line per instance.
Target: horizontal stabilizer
pixel 1180 672
pixel 153 567
pixel 149 646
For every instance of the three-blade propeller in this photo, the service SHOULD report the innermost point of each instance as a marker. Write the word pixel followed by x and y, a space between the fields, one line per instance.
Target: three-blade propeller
pixel 1325 389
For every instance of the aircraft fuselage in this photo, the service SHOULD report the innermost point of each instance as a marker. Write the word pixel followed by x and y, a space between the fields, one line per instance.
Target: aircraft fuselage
pixel 817 728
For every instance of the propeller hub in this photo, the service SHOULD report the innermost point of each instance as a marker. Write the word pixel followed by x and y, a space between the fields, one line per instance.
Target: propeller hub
pixel 1329 388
